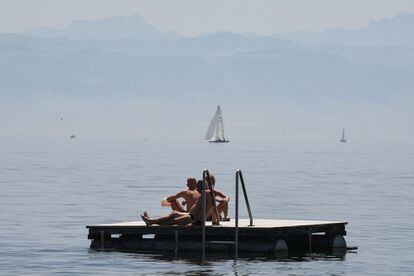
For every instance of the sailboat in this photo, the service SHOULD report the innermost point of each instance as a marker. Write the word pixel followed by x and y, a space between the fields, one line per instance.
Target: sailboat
pixel 215 132
pixel 343 139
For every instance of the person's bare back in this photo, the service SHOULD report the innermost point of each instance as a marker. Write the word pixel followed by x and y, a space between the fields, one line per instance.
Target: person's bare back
pixel 196 211
pixel 190 196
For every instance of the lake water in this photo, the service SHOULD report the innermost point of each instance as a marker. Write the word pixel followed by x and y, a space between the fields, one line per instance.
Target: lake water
pixel 51 189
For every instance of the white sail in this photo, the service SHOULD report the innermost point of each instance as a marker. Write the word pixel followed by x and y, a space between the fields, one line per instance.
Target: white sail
pixel 215 131
pixel 212 128
pixel 219 133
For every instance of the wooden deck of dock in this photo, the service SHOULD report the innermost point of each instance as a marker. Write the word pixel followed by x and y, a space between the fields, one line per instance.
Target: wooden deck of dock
pixel 266 236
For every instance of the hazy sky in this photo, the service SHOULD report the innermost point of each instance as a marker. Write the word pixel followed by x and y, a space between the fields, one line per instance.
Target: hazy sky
pixel 192 17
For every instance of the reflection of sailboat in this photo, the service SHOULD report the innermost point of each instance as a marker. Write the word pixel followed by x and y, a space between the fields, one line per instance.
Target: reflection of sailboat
pixel 215 132
pixel 343 139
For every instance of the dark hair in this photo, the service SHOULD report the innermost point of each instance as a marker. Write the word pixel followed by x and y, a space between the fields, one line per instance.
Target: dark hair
pixel 200 184
pixel 191 180
pixel 212 180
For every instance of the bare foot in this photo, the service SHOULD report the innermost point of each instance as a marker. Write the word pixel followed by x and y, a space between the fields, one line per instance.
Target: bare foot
pixel 146 214
pixel 225 219
pixel 145 219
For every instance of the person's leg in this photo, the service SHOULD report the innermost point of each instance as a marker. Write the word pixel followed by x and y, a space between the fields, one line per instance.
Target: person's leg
pixel 220 208
pixel 170 219
pixel 223 207
pixel 183 219
pixel 145 217
pixel 176 206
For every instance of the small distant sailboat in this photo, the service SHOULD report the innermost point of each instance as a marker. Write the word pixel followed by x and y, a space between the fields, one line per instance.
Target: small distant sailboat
pixel 72 136
pixel 215 132
pixel 343 138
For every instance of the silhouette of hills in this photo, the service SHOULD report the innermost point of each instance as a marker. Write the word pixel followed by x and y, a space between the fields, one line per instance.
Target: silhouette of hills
pixel 118 27
pixel 395 31
pixel 126 55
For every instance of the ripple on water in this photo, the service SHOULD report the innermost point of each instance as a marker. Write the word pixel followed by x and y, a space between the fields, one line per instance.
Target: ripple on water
pixel 51 189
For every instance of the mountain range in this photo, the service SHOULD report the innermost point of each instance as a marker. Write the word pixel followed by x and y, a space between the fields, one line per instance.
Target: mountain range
pixel 118 27
pixel 126 54
pixel 331 75
pixel 396 31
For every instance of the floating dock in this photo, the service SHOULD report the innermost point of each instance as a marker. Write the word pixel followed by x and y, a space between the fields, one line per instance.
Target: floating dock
pixel 275 237
pixel 280 238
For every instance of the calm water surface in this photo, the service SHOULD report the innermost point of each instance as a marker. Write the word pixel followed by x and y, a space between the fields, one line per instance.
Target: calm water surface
pixel 50 189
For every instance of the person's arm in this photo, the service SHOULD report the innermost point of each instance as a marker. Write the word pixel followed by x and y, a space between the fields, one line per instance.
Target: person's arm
pixel 223 197
pixel 178 195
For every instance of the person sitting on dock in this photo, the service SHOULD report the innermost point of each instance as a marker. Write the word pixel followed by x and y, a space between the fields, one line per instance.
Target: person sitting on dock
pixel 193 217
pixel 190 196
pixel 222 199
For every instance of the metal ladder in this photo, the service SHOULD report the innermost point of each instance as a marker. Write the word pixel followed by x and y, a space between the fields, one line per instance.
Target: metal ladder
pixel 239 179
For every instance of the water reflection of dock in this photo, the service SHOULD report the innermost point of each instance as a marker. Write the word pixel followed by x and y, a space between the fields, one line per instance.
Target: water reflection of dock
pixel 276 237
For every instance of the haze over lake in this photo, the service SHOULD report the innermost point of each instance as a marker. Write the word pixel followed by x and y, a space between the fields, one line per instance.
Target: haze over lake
pixel 143 82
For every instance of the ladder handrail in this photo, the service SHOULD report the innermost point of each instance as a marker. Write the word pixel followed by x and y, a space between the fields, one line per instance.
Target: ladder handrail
pixel 246 199
pixel 203 221
pixel 236 222
pixel 207 179
pixel 239 175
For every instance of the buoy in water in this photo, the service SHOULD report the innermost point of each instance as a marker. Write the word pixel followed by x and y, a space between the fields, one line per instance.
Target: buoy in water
pixel 280 249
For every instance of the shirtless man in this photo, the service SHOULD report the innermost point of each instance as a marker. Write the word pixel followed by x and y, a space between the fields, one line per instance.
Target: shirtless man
pixel 223 201
pixel 190 196
pixel 193 217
